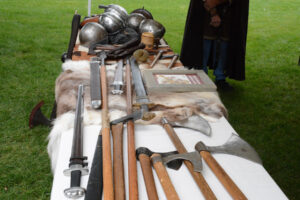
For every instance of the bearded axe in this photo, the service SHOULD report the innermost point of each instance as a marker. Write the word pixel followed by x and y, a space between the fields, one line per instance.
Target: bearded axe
pixel 199 179
pixel 143 154
pixel 234 146
pixel 77 166
pixel 163 177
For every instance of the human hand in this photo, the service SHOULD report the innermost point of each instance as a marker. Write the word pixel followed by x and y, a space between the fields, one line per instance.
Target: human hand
pixel 209 4
pixel 215 21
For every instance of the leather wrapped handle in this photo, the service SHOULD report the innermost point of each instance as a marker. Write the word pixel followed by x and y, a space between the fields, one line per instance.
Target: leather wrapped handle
pixel 164 178
pixel 132 168
pixel 108 188
pixel 118 165
pixel 73 37
pixel 223 177
pixel 199 179
pixel 148 176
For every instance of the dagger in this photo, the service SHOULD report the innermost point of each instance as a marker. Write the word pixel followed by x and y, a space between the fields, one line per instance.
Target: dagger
pixel 118 82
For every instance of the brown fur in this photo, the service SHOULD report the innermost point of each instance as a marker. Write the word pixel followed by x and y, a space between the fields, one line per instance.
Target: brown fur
pixel 173 106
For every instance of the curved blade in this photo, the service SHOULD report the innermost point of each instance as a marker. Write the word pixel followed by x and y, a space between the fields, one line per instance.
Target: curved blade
pixel 235 146
pixel 193 157
pixel 194 122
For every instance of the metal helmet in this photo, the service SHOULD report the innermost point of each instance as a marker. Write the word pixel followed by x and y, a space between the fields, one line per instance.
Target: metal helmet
pixel 134 20
pixel 92 32
pixel 119 10
pixel 111 22
pixel 144 12
pixel 152 26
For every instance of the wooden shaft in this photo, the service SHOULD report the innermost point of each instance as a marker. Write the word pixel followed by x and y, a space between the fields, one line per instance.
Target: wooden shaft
pixel 108 188
pixel 132 168
pixel 148 177
pixel 199 179
pixel 164 179
pixel 223 177
pixel 118 165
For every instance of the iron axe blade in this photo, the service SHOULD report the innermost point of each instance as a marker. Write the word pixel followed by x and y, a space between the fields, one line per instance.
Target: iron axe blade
pixel 194 122
pixel 233 146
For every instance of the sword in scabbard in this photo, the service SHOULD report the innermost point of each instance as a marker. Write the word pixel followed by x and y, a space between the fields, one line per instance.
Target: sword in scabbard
pixel 95 83
pixel 118 81
pixel 77 166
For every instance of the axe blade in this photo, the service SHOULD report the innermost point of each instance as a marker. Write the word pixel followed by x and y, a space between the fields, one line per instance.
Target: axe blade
pixel 235 145
pixel 194 122
pixel 193 157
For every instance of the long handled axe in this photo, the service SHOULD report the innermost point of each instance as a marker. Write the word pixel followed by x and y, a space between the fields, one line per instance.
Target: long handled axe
pixel 143 154
pixel 199 179
pixel 118 165
pixel 132 168
pixel 163 177
pixel 108 188
pixel 234 146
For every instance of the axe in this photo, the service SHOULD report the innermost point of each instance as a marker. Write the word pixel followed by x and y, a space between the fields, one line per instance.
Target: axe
pixel 38 118
pixel 163 177
pixel 234 146
pixel 199 179
pixel 118 165
pixel 143 154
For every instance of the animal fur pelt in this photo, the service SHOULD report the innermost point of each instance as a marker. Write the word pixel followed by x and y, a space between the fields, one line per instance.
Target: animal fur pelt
pixel 173 106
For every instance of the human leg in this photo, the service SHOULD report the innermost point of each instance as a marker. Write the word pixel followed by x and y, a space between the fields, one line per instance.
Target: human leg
pixel 207 44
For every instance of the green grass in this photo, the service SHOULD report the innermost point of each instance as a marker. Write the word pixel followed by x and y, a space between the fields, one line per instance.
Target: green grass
pixel 264 109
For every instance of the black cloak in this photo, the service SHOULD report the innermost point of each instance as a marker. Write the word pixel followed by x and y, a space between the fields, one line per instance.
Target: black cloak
pixel 191 50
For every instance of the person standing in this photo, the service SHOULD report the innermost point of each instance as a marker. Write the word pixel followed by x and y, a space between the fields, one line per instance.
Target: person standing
pixel 215 36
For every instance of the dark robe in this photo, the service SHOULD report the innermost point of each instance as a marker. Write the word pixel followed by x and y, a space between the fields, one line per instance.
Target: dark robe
pixel 192 51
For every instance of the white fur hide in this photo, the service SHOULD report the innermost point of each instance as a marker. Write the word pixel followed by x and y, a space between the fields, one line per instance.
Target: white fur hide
pixel 173 106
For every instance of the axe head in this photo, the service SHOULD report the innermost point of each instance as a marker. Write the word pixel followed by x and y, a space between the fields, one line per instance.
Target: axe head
pixel 193 157
pixel 174 164
pixel 194 122
pixel 234 146
pixel 37 117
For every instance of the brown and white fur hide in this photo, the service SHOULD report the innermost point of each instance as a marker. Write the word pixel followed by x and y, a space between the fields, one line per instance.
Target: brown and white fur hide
pixel 173 106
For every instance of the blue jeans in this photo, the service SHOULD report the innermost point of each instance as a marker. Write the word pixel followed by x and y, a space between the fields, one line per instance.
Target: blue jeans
pixel 220 61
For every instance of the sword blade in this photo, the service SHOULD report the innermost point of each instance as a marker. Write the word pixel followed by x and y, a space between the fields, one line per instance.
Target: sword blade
pixel 78 126
pixel 141 94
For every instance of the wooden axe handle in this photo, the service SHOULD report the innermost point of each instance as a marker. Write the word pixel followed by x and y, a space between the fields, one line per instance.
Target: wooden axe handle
pixel 223 177
pixel 164 179
pixel 108 188
pixel 132 168
pixel 118 166
pixel 148 176
pixel 199 179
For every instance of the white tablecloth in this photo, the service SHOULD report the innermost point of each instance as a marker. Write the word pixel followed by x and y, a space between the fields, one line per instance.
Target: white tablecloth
pixel 252 178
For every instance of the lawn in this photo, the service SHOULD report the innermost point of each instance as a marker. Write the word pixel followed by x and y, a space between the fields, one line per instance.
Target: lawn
pixel 264 109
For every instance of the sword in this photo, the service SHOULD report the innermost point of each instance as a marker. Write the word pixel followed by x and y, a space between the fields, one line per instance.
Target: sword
pixel 142 100
pixel 95 83
pixel 118 82
pixel 77 166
